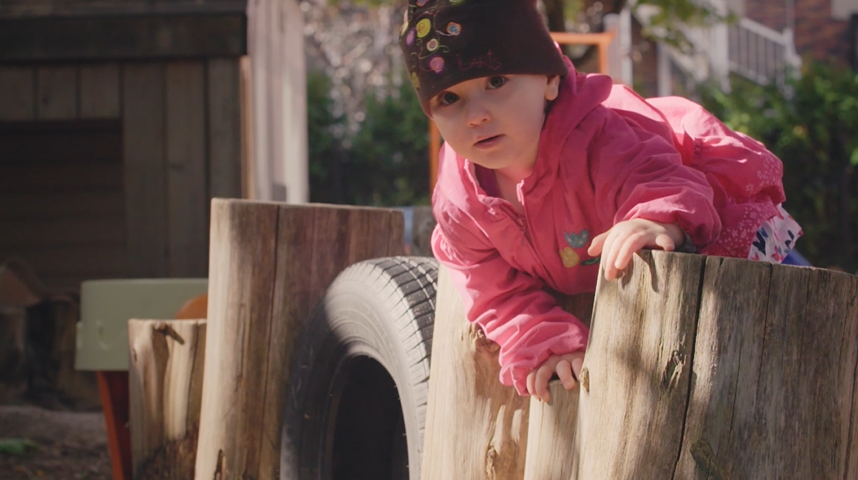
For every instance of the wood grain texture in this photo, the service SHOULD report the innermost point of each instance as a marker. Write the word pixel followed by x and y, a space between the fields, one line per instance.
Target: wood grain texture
pixel 476 428
pixel 39 8
pixel 56 93
pixel 306 237
pixel 58 142
pixel 187 183
pixel 775 380
pixel 270 265
pixel 122 37
pixel 90 260
pixel 99 91
pixel 60 177
pixel 552 447
pixel 165 385
pixel 636 373
pixel 61 204
pixel 62 208
pixel 241 282
pixel 17 93
pixel 729 337
pixel 710 368
pixel 224 127
pixel 552 450
pixel 145 167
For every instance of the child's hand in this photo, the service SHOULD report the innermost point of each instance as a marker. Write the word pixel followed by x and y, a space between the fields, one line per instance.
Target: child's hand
pixel 618 244
pixel 567 367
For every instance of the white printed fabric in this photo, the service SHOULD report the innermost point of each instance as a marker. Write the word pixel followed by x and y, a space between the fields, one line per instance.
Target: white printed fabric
pixel 775 238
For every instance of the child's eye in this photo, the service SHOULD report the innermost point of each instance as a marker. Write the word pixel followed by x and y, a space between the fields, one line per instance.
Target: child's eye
pixel 447 98
pixel 497 82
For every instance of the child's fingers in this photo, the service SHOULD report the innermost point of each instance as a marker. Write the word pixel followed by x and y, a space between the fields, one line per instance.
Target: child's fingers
pixel 564 371
pixel 665 242
pixel 595 247
pixel 543 376
pixel 577 365
pixel 631 245
pixel 531 383
pixel 609 255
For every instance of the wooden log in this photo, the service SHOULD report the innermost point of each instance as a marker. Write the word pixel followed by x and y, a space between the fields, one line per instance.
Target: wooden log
pixel 269 264
pixel 711 368
pixel 551 447
pixel 476 428
pixel 166 368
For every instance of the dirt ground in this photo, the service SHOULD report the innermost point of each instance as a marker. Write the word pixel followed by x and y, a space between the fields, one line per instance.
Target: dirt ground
pixel 69 445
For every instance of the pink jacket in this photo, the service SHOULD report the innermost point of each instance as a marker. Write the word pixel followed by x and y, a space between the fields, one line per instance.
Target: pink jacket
pixel 605 155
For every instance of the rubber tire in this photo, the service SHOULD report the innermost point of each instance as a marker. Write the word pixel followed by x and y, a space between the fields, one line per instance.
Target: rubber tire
pixel 365 351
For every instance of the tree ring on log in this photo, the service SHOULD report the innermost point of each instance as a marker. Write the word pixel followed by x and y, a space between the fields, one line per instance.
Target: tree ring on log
pixel 358 385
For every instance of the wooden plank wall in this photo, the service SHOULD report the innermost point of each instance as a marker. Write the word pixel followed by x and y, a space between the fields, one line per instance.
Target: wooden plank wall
pixel 179 128
pixel 30 8
pixel 61 203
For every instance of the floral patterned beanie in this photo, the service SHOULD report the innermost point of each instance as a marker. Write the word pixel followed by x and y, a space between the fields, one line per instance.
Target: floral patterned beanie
pixel 446 42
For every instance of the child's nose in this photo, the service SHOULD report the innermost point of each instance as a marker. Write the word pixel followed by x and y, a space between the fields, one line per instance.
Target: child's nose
pixel 477 114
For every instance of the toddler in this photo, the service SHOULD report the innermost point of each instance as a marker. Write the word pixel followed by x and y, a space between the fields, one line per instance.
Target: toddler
pixel 546 173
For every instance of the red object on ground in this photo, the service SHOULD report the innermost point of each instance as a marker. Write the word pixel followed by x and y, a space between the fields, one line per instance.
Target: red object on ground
pixel 113 388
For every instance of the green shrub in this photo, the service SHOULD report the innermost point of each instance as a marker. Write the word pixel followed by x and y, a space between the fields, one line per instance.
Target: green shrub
pixel 385 164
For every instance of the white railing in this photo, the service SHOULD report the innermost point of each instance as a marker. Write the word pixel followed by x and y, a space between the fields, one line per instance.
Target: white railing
pixel 746 48
pixel 761 54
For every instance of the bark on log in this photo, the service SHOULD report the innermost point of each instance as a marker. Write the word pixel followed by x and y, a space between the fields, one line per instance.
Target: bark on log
pixel 166 370
pixel 712 368
pixel 269 265
pixel 476 428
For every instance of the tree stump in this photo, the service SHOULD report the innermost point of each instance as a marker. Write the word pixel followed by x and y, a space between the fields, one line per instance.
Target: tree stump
pixel 714 368
pixel 476 428
pixel 166 368
pixel 269 265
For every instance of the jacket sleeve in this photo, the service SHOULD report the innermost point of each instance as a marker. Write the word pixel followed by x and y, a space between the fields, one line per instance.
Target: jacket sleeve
pixel 637 174
pixel 509 305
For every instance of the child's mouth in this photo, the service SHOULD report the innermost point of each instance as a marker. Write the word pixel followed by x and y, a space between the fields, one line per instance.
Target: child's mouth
pixel 488 142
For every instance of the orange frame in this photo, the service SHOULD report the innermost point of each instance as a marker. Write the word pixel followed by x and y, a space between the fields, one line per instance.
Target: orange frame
pixel 600 40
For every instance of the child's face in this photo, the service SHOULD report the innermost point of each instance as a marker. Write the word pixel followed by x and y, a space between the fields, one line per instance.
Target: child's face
pixel 495 121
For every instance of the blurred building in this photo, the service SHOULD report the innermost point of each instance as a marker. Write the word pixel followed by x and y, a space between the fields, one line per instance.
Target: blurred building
pixel 770 37
pixel 121 119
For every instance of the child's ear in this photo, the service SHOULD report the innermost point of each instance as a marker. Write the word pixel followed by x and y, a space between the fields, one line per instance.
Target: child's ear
pixel 552 88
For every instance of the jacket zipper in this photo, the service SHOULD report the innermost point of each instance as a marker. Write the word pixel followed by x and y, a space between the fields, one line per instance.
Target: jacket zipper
pixel 521 220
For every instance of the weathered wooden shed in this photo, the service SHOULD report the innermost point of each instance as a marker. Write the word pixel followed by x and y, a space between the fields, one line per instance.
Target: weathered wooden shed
pixel 121 119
